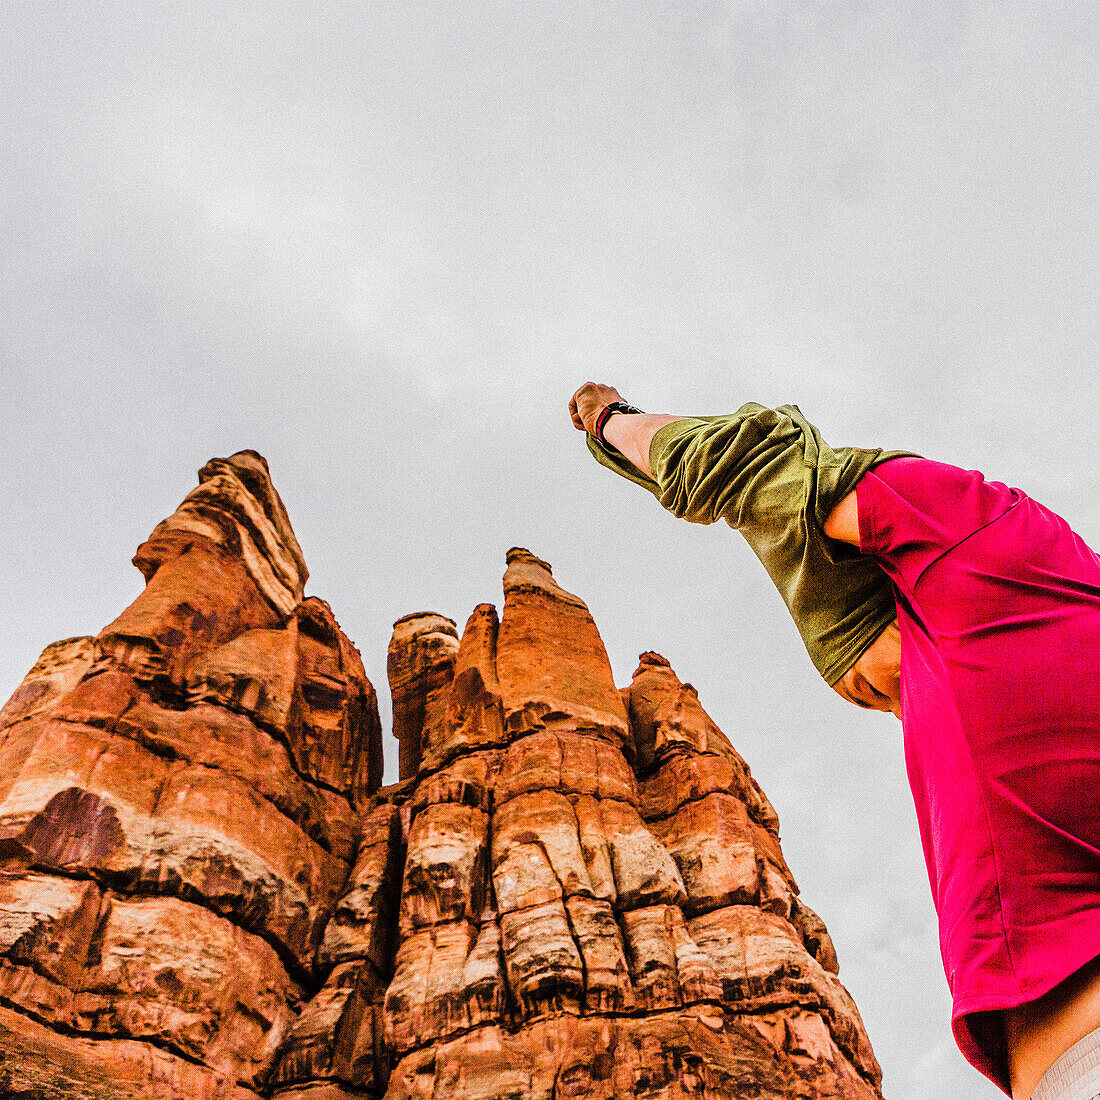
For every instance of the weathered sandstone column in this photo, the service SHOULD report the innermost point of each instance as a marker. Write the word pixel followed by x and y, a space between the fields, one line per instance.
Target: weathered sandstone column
pixel 178 815
pixel 594 902
pixel 420 667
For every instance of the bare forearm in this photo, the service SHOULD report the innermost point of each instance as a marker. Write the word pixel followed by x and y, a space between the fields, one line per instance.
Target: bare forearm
pixel 632 433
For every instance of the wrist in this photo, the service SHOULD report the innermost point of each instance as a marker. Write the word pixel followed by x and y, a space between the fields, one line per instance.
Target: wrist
pixel 605 415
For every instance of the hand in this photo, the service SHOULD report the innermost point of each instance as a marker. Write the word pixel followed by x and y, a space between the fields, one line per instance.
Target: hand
pixel 587 403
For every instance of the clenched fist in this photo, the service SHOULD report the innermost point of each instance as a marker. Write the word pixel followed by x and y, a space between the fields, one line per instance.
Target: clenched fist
pixel 587 402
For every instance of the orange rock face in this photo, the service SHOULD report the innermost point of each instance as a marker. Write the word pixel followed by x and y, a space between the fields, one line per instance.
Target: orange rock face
pixel 572 891
pixel 184 852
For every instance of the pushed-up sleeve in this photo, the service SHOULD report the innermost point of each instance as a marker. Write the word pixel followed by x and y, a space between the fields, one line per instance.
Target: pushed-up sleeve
pixel 768 474
pixel 739 468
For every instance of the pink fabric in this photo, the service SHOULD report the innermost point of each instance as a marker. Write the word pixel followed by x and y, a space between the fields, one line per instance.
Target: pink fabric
pixel 999 612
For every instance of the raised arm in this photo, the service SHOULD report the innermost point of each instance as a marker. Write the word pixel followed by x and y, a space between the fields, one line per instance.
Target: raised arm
pixel 768 474
pixel 631 435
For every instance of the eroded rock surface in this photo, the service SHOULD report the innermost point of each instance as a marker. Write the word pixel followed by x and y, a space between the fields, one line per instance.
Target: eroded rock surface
pixel 571 891
pixel 182 803
pixel 595 902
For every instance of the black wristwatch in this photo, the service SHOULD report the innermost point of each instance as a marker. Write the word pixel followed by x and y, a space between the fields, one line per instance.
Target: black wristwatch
pixel 605 415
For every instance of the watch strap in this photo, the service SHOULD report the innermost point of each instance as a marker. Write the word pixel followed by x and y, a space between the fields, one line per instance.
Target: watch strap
pixel 605 414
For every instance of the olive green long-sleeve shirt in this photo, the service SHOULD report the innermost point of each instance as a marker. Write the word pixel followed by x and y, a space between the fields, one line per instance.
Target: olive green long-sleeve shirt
pixel 769 475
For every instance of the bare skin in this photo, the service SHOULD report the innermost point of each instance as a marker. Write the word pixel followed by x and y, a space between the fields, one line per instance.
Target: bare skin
pixel 1037 1033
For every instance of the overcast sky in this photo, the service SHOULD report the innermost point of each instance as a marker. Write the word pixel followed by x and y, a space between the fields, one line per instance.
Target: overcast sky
pixel 383 243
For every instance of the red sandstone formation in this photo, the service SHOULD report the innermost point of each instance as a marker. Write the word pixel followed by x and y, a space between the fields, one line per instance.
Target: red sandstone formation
pixel 572 891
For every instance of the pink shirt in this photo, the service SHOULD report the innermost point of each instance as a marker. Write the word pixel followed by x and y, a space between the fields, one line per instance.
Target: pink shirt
pixel 999 612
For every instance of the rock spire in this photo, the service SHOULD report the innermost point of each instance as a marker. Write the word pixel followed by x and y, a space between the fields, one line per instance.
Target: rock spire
pixel 206 894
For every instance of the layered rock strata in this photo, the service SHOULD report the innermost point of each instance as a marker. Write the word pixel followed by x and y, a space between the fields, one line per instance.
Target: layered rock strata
pixel 571 891
pixel 594 901
pixel 180 809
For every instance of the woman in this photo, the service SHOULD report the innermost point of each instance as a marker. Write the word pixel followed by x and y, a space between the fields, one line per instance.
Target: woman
pixel 991 604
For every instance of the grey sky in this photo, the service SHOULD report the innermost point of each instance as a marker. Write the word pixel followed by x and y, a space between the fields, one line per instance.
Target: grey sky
pixel 383 243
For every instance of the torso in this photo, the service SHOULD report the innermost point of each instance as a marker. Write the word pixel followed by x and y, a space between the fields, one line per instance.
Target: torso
pixel 999 619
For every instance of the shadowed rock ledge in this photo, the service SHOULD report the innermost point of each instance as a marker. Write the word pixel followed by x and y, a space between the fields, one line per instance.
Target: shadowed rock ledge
pixel 205 892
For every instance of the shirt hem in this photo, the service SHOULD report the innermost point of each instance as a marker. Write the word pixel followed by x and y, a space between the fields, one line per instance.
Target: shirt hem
pixel 972 1050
